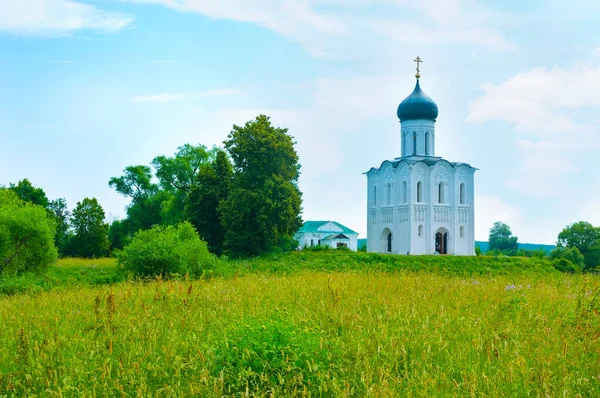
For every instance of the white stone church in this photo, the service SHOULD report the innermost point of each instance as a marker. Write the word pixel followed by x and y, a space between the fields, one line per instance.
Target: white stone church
pixel 420 203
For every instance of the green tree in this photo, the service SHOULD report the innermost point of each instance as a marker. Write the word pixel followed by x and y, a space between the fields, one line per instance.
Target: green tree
pixel 136 183
pixel 26 235
pixel 501 239
pixel 264 204
pixel 147 213
pixel 592 257
pixel 91 231
pixel 586 238
pixel 146 207
pixel 28 193
pixel 62 216
pixel 117 235
pixel 178 173
pixel 178 176
pixel 581 235
pixel 204 200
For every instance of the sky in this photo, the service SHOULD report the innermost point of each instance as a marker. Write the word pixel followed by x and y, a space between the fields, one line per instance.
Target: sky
pixel 89 87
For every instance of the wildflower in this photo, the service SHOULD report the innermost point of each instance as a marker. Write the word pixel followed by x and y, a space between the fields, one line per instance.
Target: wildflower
pixel 475 282
pixel 511 287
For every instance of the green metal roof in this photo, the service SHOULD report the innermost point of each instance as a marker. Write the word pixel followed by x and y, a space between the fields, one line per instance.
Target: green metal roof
pixel 313 226
pixel 335 236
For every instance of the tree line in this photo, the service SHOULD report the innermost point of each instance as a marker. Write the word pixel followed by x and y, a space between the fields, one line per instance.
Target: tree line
pixel 242 199
pixel 577 245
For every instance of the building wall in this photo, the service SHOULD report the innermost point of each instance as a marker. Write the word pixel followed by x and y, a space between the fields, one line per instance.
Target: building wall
pixel 413 223
pixel 304 239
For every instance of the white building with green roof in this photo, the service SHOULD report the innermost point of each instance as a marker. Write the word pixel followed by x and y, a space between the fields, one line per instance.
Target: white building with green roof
pixel 420 203
pixel 326 233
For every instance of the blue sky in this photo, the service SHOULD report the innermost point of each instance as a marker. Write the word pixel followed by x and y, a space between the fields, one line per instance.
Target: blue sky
pixel 90 87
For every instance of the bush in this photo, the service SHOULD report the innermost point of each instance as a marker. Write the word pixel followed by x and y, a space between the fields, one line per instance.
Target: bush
pixel 572 254
pixel 317 248
pixel 167 251
pixel 26 236
pixel 564 265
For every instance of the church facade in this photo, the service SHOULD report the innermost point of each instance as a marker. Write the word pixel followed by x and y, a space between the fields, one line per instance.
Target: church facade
pixel 420 203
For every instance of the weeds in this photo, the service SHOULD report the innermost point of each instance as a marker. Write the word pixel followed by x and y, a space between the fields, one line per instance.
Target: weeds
pixel 309 333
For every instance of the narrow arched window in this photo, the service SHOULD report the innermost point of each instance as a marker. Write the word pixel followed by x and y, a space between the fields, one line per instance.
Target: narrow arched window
pixel 419 191
pixel 312 242
pixel 462 193
pixel 374 196
pixel 462 232
pixel 420 230
pixel 441 193
pixel 389 194
pixel 414 143
pixel 427 143
pixel 404 192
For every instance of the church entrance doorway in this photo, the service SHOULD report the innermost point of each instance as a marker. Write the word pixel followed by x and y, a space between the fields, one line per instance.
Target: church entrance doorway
pixel 441 241
pixel 386 241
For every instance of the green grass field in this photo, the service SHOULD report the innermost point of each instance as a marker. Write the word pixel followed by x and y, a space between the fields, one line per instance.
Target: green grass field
pixel 331 324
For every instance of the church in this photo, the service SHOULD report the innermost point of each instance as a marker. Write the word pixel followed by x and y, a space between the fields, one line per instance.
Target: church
pixel 420 203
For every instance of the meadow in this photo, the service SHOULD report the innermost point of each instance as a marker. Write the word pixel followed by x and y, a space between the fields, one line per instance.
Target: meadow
pixel 308 324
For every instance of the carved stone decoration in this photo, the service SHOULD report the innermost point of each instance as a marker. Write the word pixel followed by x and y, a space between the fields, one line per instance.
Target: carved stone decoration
pixel 441 173
pixel 388 175
pixel 375 177
pixel 404 171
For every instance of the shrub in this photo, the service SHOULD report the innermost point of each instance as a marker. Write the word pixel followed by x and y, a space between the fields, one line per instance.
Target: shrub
pixel 26 236
pixel 318 248
pixel 478 250
pixel 167 251
pixel 572 254
pixel 564 265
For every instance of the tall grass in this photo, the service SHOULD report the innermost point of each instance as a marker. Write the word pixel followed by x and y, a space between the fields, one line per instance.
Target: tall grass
pixel 318 333
pixel 71 272
pixel 67 273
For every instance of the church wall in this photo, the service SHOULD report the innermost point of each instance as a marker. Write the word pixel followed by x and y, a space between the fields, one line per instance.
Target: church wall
pixel 420 209
pixel 413 223
pixel 402 211
pixel 463 214
pixel 441 209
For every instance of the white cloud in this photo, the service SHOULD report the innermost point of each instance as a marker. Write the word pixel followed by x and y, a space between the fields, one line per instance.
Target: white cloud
pixel 542 166
pixel 55 17
pixel 339 29
pixel 538 145
pixel 168 97
pixel 543 101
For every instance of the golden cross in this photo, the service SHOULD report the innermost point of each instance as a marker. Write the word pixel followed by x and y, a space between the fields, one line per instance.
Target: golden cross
pixel 418 61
